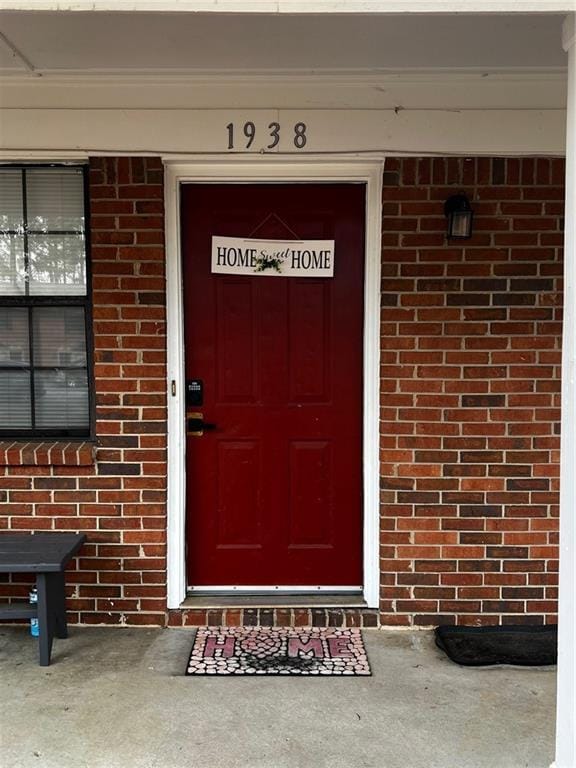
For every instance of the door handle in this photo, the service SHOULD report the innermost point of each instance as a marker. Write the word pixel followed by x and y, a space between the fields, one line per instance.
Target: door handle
pixel 196 426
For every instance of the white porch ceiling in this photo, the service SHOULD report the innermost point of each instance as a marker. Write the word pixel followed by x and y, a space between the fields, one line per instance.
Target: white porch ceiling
pixel 142 43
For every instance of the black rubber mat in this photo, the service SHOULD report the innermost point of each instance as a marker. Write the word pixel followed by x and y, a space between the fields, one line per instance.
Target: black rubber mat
pixel 524 645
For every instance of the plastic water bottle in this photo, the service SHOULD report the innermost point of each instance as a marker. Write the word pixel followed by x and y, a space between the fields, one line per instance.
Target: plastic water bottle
pixel 34 628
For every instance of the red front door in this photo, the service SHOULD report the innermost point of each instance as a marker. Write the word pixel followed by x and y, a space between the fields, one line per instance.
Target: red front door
pixel 274 493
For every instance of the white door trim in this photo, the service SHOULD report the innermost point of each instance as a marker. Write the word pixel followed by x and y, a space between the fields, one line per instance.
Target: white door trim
pixel 278 169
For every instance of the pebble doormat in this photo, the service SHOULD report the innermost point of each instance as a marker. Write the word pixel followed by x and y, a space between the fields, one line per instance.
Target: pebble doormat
pixel 278 651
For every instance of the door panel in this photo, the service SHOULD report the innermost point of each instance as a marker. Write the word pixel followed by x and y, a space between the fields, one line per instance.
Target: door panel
pixel 310 506
pixel 234 319
pixel 308 340
pixel 238 473
pixel 274 493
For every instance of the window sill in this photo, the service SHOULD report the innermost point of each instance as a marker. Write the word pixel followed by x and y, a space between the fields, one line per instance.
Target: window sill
pixel 59 453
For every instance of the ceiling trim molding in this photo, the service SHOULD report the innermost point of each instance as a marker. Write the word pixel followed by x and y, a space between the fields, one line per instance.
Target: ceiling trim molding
pixel 339 7
pixel 299 77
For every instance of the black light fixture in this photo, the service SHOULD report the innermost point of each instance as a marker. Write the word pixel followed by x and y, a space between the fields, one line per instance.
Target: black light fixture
pixel 459 214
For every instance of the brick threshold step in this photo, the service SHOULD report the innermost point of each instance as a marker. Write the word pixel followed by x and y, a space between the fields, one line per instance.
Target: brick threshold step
pixel 274 610
pixel 215 601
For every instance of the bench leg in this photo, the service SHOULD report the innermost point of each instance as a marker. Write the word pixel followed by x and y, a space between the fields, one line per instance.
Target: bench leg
pixel 51 612
pixel 58 598
pixel 45 619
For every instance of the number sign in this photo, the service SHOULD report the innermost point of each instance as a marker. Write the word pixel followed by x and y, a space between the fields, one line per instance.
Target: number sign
pixel 243 136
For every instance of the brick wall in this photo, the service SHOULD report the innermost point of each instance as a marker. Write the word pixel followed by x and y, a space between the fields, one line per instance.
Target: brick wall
pixel 470 393
pixel 469 420
pixel 120 499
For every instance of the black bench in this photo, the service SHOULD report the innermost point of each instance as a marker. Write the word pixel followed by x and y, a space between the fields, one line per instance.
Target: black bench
pixel 46 555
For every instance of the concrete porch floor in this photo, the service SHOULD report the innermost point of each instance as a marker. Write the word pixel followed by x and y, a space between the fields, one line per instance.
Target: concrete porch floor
pixel 117 698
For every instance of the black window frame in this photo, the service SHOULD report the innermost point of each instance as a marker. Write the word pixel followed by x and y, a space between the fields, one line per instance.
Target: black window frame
pixel 29 302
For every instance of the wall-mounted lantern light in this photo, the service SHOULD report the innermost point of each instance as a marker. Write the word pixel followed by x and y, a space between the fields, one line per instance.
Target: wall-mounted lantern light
pixel 459 214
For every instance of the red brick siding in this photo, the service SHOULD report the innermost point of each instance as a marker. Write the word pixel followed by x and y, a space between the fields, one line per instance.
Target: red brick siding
pixel 470 392
pixel 469 419
pixel 120 500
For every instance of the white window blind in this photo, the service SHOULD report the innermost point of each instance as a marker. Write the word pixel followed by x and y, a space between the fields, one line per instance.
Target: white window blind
pixel 44 376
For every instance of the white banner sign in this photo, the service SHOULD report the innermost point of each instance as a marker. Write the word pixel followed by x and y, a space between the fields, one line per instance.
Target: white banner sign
pixel 288 258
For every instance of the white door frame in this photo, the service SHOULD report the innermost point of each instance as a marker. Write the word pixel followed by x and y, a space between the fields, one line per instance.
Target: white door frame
pixel 277 169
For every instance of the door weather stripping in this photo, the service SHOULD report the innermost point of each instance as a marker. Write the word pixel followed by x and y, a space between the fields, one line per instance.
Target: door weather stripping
pixel 225 589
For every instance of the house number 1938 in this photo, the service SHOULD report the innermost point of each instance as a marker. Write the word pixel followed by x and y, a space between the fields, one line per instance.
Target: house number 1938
pixel 247 134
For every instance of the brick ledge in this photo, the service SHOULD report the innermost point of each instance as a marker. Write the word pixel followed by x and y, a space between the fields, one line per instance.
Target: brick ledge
pixel 274 617
pixel 70 453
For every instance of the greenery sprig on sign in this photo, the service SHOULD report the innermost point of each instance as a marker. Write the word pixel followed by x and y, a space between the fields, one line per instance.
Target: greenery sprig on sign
pixel 268 262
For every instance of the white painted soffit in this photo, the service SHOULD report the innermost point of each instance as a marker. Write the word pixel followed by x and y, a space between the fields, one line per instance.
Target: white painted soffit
pixel 53 44
pixel 298 6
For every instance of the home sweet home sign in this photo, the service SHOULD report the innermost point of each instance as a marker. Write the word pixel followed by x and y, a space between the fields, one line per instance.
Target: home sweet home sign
pixel 288 258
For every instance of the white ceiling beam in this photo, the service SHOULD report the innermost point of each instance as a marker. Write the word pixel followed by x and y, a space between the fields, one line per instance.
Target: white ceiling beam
pixel 443 132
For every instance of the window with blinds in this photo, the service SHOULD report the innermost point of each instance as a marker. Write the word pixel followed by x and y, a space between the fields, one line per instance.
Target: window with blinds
pixel 44 310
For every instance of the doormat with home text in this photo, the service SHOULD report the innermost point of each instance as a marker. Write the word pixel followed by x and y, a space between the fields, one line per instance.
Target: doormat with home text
pixel 278 651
